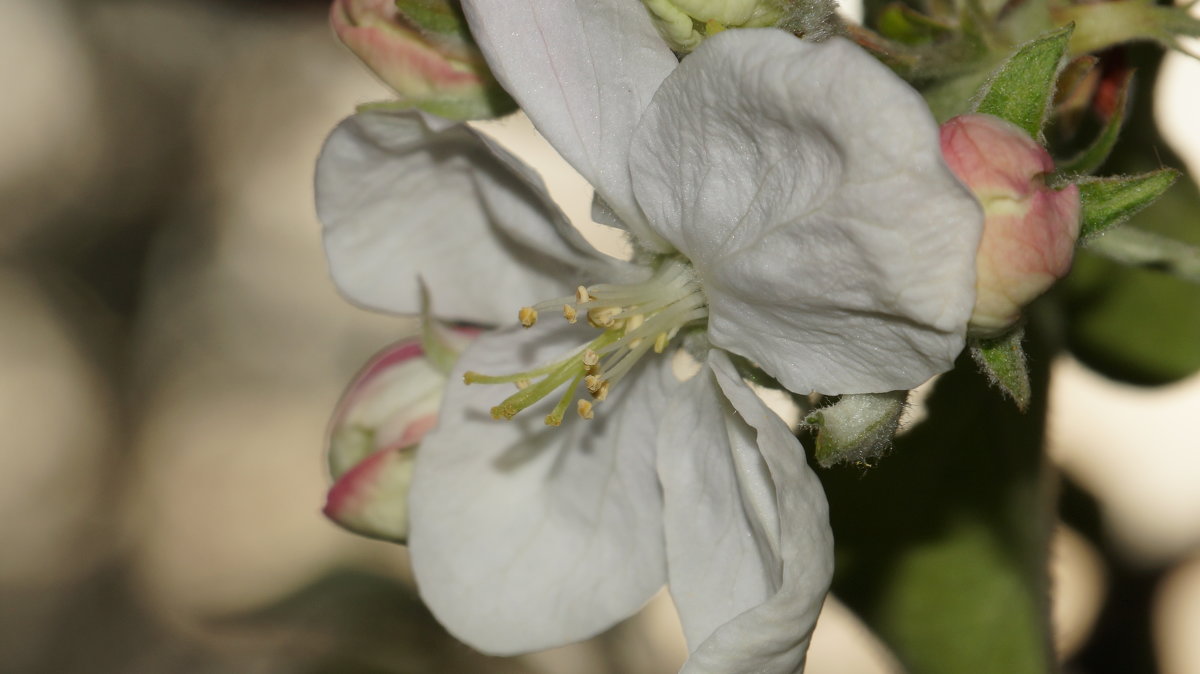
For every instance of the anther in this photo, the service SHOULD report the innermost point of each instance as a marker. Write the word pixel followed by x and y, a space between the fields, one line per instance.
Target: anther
pixel 591 360
pixel 581 295
pixel 569 313
pixel 522 384
pixel 585 409
pixel 601 391
pixel 602 317
pixel 592 382
pixel 528 316
pixel 660 342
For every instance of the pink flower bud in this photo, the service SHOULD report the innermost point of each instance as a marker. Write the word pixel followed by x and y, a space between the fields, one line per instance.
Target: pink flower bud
pixel 373 438
pixel 1029 229
pixel 421 48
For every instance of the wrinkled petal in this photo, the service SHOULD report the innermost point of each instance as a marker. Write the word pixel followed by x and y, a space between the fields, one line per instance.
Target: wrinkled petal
pixel 404 196
pixel 805 182
pixel 583 70
pixel 749 546
pixel 718 556
pixel 526 536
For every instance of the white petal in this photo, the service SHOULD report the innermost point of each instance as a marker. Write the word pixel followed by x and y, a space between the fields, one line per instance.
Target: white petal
pixel 748 538
pixel 525 536
pixel 806 183
pixel 406 195
pixel 583 70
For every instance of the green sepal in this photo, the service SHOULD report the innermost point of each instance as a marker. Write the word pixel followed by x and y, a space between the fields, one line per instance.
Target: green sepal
pixel 1002 359
pixel 439 349
pixel 1021 90
pixel 493 102
pixel 1093 157
pixel 1107 202
pixel 907 26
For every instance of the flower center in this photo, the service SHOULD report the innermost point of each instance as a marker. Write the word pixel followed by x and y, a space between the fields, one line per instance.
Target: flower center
pixel 633 319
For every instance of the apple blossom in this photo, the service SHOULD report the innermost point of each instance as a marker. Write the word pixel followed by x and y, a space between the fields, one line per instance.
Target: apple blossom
pixel 1029 228
pixel 787 203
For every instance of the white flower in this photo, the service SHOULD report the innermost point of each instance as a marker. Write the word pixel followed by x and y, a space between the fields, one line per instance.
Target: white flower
pixel 789 205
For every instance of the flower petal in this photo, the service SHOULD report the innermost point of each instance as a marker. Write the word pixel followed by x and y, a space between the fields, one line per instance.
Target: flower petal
pixel 525 536
pixel 408 195
pixel 583 70
pixel 749 547
pixel 805 182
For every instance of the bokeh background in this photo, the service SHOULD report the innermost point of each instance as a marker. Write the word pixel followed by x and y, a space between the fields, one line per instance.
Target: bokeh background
pixel 171 347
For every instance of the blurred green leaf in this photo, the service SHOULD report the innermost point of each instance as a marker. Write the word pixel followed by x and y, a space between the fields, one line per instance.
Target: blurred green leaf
pixel 1003 361
pixel 1107 202
pixel 1020 91
pixel 941 548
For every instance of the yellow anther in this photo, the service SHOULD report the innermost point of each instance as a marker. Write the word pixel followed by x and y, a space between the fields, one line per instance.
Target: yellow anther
pixel 660 342
pixel 602 317
pixel 592 382
pixel 634 322
pixel 528 316
pixel 591 360
pixel 581 295
pixel 522 384
pixel 585 409
pixel 601 391
pixel 569 313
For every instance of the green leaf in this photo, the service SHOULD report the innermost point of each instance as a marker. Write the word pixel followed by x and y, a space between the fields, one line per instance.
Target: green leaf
pixel 941 548
pixel 1107 202
pixel 1021 90
pixel 1093 157
pixel 1003 361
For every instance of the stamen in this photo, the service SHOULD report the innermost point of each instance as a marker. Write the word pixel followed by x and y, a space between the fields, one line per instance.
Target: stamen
pixel 602 317
pixel 585 409
pixel 590 360
pixel 556 415
pixel 660 342
pixel 634 319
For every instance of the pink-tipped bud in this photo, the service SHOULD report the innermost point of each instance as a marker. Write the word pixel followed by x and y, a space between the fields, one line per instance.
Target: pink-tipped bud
pixel 422 50
pixel 373 437
pixel 1029 229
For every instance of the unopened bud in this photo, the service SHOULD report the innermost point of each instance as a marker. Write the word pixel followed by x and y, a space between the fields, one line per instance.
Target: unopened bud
pixel 685 23
pixel 1029 229
pixel 423 50
pixel 857 428
pixel 374 434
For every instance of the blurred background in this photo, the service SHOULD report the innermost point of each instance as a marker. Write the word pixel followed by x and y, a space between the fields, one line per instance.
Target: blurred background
pixel 171 347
